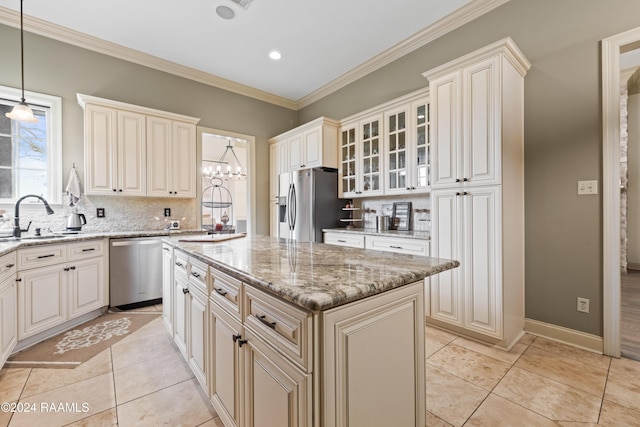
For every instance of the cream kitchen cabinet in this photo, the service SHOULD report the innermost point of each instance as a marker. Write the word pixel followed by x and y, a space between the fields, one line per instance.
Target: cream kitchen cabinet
pixel 278 163
pixel 8 306
pixel 137 151
pixel 477 178
pixel 181 302
pixel 57 283
pixel 360 173
pixel 171 153
pixel 167 288
pixel 115 152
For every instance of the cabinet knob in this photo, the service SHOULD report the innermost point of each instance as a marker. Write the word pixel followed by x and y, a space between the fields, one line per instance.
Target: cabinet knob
pixel 185 291
pixel 66 269
pixel 465 179
pixel 120 190
pixel 457 179
pixel 236 337
pixel 115 190
pixel 241 343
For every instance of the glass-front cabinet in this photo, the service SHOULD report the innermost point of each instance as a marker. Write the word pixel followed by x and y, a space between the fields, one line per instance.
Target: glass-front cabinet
pixel 422 148
pixel 396 136
pixel 361 158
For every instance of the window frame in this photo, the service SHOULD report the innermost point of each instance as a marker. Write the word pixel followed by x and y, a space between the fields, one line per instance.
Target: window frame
pixel 54 138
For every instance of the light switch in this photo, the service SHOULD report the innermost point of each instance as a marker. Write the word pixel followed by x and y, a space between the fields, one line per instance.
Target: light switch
pixel 587 187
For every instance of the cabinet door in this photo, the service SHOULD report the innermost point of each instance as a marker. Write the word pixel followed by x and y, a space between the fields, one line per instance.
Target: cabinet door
pixel 167 288
pixel 226 365
pixel 370 157
pixel 86 286
pixel 274 170
pixel 159 154
pixel 481 123
pixel 397 151
pixel 482 261
pixel 347 173
pixel 446 241
pixel 42 299
pixel 181 321
pixel 183 166
pixel 8 318
pixel 131 154
pixel 420 169
pixel 198 340
pixel 99 151
pixel 312 148
pixel 276 393
pixel 445 128
pixel 296 152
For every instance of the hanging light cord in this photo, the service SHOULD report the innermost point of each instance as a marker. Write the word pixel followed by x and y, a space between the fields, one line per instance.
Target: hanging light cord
pixel 22 49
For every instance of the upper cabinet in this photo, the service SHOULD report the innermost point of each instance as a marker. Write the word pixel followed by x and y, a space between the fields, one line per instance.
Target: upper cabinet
pixel 137 151
pixel 473 113
pixel 310 145
pixel 385 150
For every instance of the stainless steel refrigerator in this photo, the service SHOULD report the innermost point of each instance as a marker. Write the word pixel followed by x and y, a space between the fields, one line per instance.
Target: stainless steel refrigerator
pixel 307 203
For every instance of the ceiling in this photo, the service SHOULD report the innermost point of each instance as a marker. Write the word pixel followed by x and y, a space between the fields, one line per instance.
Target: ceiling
pixel 324 44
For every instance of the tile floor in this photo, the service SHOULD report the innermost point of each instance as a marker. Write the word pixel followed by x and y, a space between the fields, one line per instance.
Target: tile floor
pixel 143 381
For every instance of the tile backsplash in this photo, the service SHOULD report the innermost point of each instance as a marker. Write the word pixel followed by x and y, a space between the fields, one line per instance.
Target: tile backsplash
pixel 121 214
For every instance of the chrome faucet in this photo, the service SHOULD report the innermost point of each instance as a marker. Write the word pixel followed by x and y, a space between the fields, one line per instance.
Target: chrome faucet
pixel 17 232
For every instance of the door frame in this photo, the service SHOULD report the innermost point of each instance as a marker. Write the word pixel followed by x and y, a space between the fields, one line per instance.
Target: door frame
pixel 251 176
pixel 611 291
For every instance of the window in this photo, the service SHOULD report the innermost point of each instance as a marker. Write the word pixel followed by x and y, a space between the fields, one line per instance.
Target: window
pixel 30 153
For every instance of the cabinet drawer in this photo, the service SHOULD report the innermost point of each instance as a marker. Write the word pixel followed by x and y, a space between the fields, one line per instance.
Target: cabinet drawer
pixel 285 327
pixel 198 275
pixel 7 265
pixel 86 249
pixel 344 239
pixel 400 246
pixel 180 261
pixel 226 291
pixel 41 255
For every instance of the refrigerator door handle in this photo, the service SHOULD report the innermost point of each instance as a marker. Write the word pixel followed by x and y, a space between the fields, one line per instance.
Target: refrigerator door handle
pixel 289 207
pixel 294 207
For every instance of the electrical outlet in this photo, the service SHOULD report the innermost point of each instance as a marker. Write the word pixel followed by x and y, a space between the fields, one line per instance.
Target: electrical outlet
pixel 167 212
pixel 100 212
pixel 587 187
pixel 583 305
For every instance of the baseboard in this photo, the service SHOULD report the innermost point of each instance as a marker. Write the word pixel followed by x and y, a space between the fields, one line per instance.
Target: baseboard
pixel 633 266
pixel 564 335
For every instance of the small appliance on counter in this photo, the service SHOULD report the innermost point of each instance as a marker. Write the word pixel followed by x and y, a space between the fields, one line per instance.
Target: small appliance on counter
pixel 75 221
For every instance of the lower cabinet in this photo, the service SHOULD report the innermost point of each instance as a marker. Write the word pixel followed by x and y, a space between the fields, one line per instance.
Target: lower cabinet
pixel 8 306
pixel 57 283
pixel 198 325
pixel 181 310
pixel 167 287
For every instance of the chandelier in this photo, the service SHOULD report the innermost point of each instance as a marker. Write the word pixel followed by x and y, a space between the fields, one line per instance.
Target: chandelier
pixel 223 168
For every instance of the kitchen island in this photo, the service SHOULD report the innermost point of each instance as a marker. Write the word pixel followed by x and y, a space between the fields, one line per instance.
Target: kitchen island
pixel 283 333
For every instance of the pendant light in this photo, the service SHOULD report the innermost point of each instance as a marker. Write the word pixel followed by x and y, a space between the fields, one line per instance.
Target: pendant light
pixel 21 112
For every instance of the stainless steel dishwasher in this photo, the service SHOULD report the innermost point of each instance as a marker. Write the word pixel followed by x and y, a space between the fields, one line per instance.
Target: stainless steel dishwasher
pixel 135 271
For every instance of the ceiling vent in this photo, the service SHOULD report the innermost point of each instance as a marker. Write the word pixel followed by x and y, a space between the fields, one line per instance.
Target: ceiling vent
pixel 243 3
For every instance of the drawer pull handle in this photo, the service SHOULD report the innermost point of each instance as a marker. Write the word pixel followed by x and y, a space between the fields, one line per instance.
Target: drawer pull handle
pixel 10 265
pixel 46 256
pixel 179 264
pixel 165 249
pixel 396 247
pixel 342 241
pixel 261 318
pixel 185 291
pixel 194 274
pixel 221 291
pixel 88 249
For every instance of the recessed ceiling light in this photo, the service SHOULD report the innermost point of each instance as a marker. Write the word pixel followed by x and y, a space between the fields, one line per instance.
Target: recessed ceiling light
pixel 275 55
pixel 225 12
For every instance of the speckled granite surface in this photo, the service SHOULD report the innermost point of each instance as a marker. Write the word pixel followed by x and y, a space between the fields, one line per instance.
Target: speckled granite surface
pixel 411 234
pixel 311 275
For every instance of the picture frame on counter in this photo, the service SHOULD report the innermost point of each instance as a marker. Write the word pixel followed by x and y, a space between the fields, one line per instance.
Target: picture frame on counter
pixel 401 216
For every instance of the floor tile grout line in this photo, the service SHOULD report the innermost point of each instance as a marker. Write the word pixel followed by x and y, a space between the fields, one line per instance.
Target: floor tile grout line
pixel 115 393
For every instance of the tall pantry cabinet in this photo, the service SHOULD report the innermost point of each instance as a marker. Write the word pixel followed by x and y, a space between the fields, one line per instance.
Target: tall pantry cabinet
pixel 477 181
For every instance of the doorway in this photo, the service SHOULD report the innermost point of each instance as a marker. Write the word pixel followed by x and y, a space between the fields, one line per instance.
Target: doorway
pixel 612 48
pixel 226 201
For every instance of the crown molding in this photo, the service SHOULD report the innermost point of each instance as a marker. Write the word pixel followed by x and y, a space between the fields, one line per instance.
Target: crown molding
pixel 449 23
pixel 455 19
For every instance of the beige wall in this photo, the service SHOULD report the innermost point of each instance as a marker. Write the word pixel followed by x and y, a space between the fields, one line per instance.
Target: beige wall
pixel 63 70
pixel 563 135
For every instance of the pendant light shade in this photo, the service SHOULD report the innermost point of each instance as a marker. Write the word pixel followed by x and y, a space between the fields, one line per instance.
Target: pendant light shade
pixel 21 112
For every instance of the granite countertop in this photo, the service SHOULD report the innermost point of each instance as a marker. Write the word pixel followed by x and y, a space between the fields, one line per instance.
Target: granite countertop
pixel 8 244
pixel 315 276
pixel 411 234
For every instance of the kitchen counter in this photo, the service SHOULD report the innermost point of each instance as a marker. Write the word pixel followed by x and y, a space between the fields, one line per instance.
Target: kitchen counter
pixel 411 234
pixel 8 244
pixel 315 276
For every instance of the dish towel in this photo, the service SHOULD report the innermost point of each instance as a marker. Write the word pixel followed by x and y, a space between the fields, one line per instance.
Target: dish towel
pixel 73 187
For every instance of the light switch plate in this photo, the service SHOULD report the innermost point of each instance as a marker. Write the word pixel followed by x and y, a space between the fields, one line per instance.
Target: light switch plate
pixel 587 187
